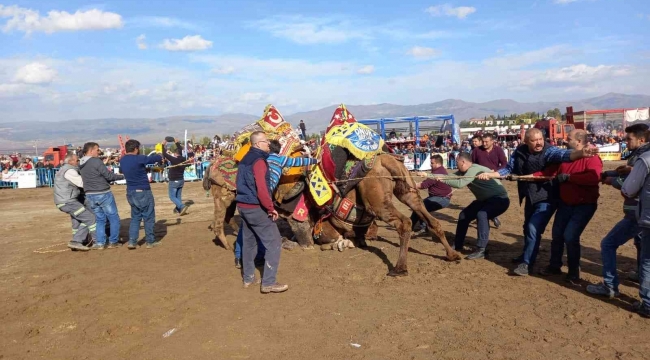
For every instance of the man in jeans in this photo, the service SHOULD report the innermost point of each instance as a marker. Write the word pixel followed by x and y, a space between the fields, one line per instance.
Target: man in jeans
pixel 491 200
pixel 138 192
pixel 439 193
pixel 176 177
pixel 578 202
pixel 96 181
pixel 637 184
pixel 541 203
pixel 258 214
pixel 69 199
pixel 627 228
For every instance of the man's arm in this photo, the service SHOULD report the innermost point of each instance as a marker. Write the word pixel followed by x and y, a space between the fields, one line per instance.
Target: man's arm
pixel 152 159
pixel 557 155
pixel 108 175
pixel 506 170
pixel 297 162
pixel 503 162
pixel 634 182
pixel 459 183
pixel 259 172
pixel 74 177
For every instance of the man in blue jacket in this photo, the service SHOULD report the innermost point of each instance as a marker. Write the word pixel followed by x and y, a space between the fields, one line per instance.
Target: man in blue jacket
pixel 138 192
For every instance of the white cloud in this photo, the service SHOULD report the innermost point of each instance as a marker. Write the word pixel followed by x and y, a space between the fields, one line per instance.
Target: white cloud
pixel 188 43
pixel 460 12
pixel 35 73
pixel 580 73
pixel 307 30
pixel 140 41
pixel 161 21
pixel 28 21
pixel 421 52
pixel 368 69
pixel 225 70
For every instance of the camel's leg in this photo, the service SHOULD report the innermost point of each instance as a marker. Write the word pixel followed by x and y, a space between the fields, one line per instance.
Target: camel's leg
pixel 302 232
pixel 371 234
pixel 360 234
pixel 413 201
pixel 394 217
pixel 217 222
pixel 231 207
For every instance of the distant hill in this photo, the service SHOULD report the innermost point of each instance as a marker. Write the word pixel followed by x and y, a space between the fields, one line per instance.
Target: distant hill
pixel 20 135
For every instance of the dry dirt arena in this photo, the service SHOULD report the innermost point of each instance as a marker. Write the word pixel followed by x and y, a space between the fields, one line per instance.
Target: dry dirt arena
pixel 118 304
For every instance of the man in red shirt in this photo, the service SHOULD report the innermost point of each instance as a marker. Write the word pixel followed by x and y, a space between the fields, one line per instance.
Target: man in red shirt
pixel 578 202
pixel 439 193
pixel 492 157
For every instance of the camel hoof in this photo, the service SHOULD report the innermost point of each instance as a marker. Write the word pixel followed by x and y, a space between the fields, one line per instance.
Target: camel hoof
pixel 326 247
pixel 396 273
pixel 454 256
pixel 309 247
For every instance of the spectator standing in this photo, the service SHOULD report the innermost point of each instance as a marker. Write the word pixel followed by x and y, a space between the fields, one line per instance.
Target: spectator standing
pixel 69 198
pixel 258 214
pixel 303 130
pixel 138 192
pixel 176 175
pixel 96 183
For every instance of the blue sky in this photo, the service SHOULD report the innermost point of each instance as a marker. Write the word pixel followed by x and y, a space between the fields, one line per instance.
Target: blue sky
pixel 71 59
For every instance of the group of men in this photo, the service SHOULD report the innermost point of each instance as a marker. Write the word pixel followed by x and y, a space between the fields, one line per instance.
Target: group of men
pixel 82 189
pixel 564 182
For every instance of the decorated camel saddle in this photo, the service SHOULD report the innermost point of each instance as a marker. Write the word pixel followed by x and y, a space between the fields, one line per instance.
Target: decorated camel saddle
pixel 363 146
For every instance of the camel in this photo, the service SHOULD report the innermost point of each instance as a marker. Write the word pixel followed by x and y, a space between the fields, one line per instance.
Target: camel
pixel 375 192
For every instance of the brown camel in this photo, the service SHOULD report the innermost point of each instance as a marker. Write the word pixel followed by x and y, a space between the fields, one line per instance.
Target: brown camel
pixel 224 204
pixel 375 192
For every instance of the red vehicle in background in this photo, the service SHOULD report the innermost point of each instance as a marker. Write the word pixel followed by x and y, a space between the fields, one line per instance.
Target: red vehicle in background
pixel 55 154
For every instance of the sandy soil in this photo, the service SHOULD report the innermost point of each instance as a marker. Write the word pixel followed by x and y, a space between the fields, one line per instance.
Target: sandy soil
pixel 117 304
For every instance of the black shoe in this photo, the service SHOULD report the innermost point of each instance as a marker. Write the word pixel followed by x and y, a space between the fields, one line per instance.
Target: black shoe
pixel 572 278
pixel 643 311
pixel 478 254
pixel 518 260
pixel 497 222
pixel 548 271
pixel 521 270
pixel 238 263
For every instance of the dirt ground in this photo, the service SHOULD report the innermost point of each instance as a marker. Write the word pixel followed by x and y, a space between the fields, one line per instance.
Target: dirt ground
pixel 117 304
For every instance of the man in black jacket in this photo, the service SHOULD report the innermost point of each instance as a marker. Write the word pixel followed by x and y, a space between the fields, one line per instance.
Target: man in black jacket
pixel 176 177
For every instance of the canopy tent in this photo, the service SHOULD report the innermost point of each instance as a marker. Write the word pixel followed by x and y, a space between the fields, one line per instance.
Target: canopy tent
pixel 416 125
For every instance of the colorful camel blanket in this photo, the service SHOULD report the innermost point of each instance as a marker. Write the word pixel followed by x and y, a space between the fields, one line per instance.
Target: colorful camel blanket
pixel 275 127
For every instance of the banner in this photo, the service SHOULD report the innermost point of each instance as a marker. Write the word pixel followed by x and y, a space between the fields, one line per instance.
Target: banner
pixel 426 163
pixel 610 148
pixel 409 162
pixel 190 173
pixel 633 115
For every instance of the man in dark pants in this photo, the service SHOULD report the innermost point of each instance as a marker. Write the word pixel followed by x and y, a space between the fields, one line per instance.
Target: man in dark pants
pixel 258 214
pixel 531 157
pixel 439 193
pixel 138 192
pixel 176 175
pixel 303 130
pixel 577 205
pixel 492 157
pixel 491 200
pixel 68 198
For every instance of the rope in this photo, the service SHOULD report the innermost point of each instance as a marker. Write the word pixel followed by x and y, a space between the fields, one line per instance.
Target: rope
pixel 41 251
pixel 453 177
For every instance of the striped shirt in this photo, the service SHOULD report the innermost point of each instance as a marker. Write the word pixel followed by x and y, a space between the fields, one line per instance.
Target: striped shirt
pixel 278 162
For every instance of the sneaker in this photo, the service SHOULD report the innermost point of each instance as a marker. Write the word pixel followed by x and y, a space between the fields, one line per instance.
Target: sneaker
pixel 496 222
pixel 184 210
pixel 153 244
pixel 478 254
pixel 174 211
pixel 633 276
pixel 521 270
pixel 573 279
pixel 254 281
pixel 132 245
pixel 238 263
pixel 603 290
pixel 275 288
pixel 638 308
pixel 97 246
pixel 77 246
pixel 548 271
pixel 114 246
